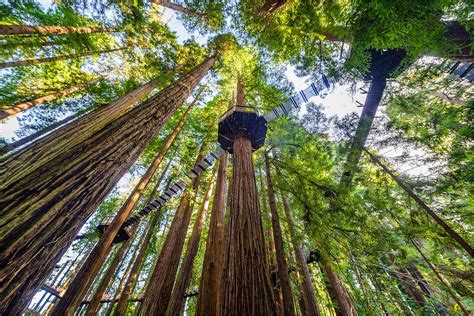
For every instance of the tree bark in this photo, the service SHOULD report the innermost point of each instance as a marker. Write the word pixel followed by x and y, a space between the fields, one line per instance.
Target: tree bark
pixel 309 296
pixel 177 300
pixel 247 285
pixel 209 299
pixel 271 249
pixel 49 188
pixel 51 30
pixel 124 277
pixel 37 61
pixel 407 284
pixel 284 278
pixel 420 280
pixel 454 235
pixel 337 291
pixel 179 8
pixel 135 270
pixel 91 267
pixel 158 291
pixel 94 304
pixel 22 106
pixel 25 140
pixel 440 278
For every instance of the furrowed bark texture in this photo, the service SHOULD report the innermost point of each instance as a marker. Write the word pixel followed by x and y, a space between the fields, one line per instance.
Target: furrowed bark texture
pixel 211 278
pixel 91 267
pixel 135 270
pixel 284 278
pixel 270 243
pixel 247 285
pixel 123 297
pixel 36 61
pixel 50 188
pixel 309 296
pixel 51 30
pixel 94 304
pixel 337 291
pixel 22 106
pixel 36 135
pixel 451 232
pixel 158 291
pixel 176 304
pixel 124 277
pixel 76 132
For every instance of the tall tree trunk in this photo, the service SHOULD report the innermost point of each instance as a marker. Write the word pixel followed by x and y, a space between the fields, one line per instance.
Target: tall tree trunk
pixel 25 140
pixel 178 298
pixel 212 268
pixel 337 291
pixel 37 61
pixel 247 285
pixel 309 296
pixel 158 291
pixel 454 235
pixel 179 8
pixel 271 249
pixel 91 267
pixel 80 130
pixel 420 280
pixel 374 96
pixel 22 106
pixel 382 64
pixel 124 277
pixel 409 287
pixel 284 278
pixel 94 304
pixel 447 286
pixel 51 30
pixel 268 232
pixel 48 193
pixel 66 265
pixel 137 264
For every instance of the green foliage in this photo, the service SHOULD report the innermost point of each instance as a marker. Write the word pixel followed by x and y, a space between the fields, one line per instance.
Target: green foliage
pixel 369 231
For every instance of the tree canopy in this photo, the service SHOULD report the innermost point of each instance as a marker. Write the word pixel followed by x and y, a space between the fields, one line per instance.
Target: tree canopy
pixel 98 84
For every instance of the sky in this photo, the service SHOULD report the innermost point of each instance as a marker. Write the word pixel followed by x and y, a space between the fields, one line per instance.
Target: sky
pixel 339 101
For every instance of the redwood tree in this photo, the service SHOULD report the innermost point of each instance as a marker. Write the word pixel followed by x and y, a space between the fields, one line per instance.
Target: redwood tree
pixel 284 278
pixel 36 61
pixel 160 286
pixel 94 304
pixel 50 29
pixel 209 297
pixel 48 190
pixel 137 264
pixel 25 105
pixel 178 299
pixel 247 285
pixel 309 297
pixel 91 267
